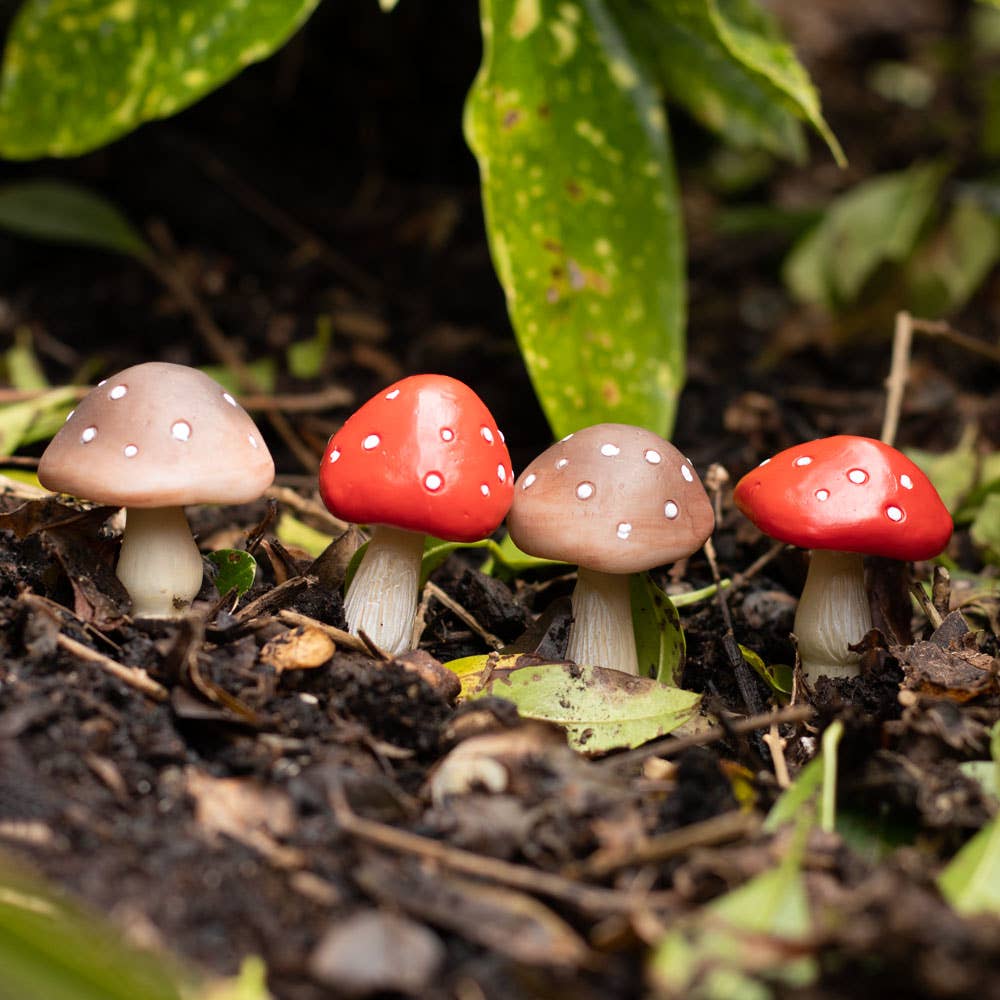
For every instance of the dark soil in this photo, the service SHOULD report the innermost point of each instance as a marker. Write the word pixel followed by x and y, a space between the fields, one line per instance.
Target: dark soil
pixel 295 813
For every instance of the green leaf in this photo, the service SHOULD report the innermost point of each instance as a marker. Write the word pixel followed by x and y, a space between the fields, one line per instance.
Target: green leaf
pixel 985 528
pixel 50 950
pixel 582 212
pixel 306 357
pixel 59 212
pixel 946 271
pixel 680 41
pixel 971 881
pixel 878 221
pixel 264 370
pixel 659 640
pixel 506 556
pixel 777 676
pixel 250 983
pixel 34 419
pixel 984 773
pixel 80 73
pixel 811 798
pixel 24 371
pixel 600 709
pixel 755 930
pixel 291 531
pixel 236 570
pixel 953 473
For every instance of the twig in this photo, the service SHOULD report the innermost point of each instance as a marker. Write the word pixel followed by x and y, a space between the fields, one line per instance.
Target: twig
pixel 303 402
pixel 134 677
pixel 899 373
pixel 456 609
pixel 274 598
pixel 739 579
pixel 339 636
pixel 945 331
pixel 941 591
pixel 717 830
pixel 670 746
pixel 532 880
pixel 777 747
pixel 926 605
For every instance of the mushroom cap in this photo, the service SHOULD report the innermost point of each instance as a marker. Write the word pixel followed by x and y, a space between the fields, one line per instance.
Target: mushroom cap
pixel 613 498
pixel 424 454
pixel 850 494
pixel 158 435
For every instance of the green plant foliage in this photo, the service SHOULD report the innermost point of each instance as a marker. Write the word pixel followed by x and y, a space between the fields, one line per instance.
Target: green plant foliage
pixel 878 221
pixel 754 933
pixel 971 881
pixel 293 532
pixel 777 676
pixel 80 73
pixel 659 640
pixel 23 369
pixel 726 63
pixel 985 528
pixel 65 213
pixel 34 419
pixel 599 709
pixel 306 357
pixel 50 950
pixel 235 570
pixel 582 211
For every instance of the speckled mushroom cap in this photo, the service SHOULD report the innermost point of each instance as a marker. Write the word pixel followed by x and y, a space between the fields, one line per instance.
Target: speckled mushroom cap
pixel 613 498
pixel 158 435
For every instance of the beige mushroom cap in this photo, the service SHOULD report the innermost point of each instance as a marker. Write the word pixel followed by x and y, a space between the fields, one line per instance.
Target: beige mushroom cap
pixel 158 435
pixel 612 498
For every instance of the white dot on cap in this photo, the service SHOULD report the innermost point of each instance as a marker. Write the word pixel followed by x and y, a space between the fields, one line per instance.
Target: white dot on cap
pixel 103 381
pixel 766 460
pixel 487 434
pixel 624 530
pixel 568 436
pixel 118 392
pixel 252 440
pixel 370 442
pixel 433 481
pixel 88 435
pixel 670 510
pixel 130 451
pixel 906 482
pixel 447 434
pixel 804 460
pixel 894 513
pixel 528 480
pixel 652 456
pixel 485 490
pixel 501 474
pixel 562 463
pixel 334 455
pixel 610 450
pixel 502 438
pixel 858 476
pixel 392 394
pixel 585 491
pixel 822 495
pixel 69 416
pixel 181 430
pixel 229 399
pixel 686 473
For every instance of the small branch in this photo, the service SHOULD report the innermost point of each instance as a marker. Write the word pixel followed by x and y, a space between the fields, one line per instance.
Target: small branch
pixel 941 591
pixel 926 605
pixel 456 609
pixel 739 579
pixel 134 677
pixel 899 373
pixel 707 833
pixel 945 331
pixel 589 898
pixel 343 639
pixel 777 747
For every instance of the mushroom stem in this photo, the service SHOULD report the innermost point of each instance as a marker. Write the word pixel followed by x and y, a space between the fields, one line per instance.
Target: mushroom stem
pixel 160 565
pixel 382 598
pixel 833 612
pixel 602 632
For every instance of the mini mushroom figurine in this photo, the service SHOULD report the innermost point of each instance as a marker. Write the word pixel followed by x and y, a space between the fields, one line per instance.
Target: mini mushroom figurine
pixel 423 457
pixel 614 499
pixel 153 438
pixel 843 497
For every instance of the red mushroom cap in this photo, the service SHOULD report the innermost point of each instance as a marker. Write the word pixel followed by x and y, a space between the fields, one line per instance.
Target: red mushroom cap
pixel 851 494
pixel 425 455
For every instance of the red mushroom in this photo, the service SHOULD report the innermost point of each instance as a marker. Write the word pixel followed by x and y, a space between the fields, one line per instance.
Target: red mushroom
pixel 843 497
pixel 424 456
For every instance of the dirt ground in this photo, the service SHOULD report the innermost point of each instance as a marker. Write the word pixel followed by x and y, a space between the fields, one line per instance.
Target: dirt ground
pixel 231 807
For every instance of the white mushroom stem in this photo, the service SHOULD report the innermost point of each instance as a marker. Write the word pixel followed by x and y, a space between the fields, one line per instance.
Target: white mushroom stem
pixel 833 613
pixel 382 598
pixel 602 633
pixel 160 565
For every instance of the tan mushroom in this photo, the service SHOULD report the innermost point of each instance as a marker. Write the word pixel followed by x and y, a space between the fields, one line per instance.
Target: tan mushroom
pixel 153 438
pixel 614 499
